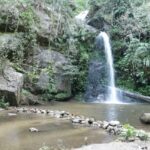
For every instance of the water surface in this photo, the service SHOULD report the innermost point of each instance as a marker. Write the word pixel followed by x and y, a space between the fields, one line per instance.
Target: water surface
pixel 15 135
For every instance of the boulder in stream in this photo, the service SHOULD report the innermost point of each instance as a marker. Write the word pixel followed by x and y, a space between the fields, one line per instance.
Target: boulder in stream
pixel 145 118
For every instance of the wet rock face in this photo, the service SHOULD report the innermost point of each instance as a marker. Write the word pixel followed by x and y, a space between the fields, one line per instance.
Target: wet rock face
pixel 145 118
pixel 95 85
pixel 11 83
pixel 99 22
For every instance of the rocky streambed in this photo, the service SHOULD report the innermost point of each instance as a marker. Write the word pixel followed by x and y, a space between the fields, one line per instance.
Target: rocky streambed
pixel 80 124
pixel 113 127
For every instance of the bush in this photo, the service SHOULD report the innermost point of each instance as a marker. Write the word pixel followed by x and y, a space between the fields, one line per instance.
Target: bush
pixel 3 104
pixel 128 132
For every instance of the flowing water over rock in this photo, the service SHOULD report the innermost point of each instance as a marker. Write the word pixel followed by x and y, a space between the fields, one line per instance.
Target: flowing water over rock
pixel 98 69
pixel 112 95
pixel 82 16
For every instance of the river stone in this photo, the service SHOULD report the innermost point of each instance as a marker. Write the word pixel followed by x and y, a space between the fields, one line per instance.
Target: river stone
pixel 105 125
pixel 145 118
pixel 12 114
pixel 110 129
pixel 117 130
pixel 76 120
pixel 114 123
pixel 11 83
pixel 43 111
pixel 96 124
pixel 32 129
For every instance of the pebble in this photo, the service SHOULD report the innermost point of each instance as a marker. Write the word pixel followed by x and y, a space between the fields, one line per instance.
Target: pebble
pixel 24 110
pixel 105 124
pixel 58 116
pixel 83 122
pixel 12 114
pixel 90 121
pixel 95 124
pixel 114 123
pixel 38 111
pixel 19 110
pixel 32 129
pixel 33 110
pixel 110 129
pixel 76 120
pixel 43 111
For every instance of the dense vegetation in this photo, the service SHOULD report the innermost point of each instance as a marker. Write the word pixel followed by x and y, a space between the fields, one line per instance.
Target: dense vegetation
pixel 22 35
pixel 126 21
pixel 129 27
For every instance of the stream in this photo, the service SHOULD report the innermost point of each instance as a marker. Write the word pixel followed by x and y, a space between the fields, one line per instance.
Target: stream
pixel 15 135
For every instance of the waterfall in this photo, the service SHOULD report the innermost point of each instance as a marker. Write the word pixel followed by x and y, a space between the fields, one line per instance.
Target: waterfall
pixel 112 94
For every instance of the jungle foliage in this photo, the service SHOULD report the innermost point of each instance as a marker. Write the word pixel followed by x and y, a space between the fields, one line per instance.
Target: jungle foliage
pixel 19 24
pixel 129 31
pixel 129 28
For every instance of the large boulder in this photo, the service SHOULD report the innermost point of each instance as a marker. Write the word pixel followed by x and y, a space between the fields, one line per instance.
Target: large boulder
pixel 14 16
pixel 99 22
pixel 28 98
pixel 52 76
pixel 47 57
pixel 97 19
pixel 145 118
pixel 11 83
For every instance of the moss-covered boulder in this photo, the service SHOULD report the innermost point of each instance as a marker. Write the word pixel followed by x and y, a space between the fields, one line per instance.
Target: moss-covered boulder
pixel 52 78
pixel 44 42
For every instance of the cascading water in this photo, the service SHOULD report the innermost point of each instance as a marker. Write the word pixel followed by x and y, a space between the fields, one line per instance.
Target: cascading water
pixel 112 94
pixel 101 77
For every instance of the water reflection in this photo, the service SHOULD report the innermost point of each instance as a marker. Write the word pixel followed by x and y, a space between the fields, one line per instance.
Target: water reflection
pixel 112 113
pixel 14 132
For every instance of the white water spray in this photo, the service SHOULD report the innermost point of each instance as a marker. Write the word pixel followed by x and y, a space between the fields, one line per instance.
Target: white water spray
pixel 112 95
pixel 82 16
